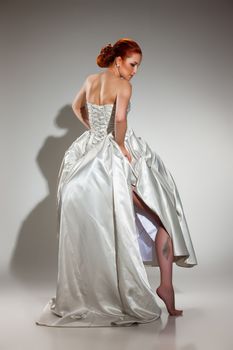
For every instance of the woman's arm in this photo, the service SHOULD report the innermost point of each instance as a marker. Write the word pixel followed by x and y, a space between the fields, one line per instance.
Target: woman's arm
pixel 78 105
pixel 122 101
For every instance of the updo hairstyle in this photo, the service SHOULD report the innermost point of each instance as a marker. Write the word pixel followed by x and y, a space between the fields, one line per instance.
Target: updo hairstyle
pixel 122 48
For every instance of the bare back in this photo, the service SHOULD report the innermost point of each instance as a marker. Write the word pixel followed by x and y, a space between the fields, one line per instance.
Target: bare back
pixel 103 88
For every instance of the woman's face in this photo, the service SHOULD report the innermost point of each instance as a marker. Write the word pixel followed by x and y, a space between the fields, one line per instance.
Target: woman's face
pixel 129 66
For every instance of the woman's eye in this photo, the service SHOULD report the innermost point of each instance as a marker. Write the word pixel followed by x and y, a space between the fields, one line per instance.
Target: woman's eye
pixel 132 64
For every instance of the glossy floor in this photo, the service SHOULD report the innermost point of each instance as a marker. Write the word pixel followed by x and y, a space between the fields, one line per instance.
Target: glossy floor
pixel 206 299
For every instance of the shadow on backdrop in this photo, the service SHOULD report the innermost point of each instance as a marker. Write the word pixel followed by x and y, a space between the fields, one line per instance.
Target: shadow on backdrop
pixel 34 259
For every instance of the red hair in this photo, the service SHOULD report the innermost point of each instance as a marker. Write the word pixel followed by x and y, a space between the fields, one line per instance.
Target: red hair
pixel 123 47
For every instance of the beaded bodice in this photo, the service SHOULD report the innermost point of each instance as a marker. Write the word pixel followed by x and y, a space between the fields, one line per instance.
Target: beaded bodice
pixel 101 119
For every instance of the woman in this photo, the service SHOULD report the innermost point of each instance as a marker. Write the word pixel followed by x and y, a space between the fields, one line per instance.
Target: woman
pixel 118 209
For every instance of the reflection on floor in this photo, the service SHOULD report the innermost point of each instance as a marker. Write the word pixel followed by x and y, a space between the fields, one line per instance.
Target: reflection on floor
pixel 205 324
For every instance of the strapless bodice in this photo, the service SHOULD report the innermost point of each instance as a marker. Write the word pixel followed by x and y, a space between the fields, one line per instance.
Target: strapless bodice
pixel 101 119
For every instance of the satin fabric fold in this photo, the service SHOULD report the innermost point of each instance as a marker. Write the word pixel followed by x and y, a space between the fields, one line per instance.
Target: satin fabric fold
pixel 104 240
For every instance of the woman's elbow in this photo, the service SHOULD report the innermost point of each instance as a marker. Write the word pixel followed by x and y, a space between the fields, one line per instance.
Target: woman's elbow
pixel 74 107
pixel 76 111
pixel 120 118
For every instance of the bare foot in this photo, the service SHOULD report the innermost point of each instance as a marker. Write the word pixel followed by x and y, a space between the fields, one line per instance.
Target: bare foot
pixel 167 295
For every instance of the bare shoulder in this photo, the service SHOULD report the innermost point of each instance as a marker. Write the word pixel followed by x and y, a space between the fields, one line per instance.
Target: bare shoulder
pixel 92 77
pixel 125 87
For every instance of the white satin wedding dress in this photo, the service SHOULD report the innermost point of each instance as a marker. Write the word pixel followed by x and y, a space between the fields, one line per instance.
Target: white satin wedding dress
pixel 104 240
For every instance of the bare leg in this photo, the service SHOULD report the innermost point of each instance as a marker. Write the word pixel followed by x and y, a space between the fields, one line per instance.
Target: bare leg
pixel 164 251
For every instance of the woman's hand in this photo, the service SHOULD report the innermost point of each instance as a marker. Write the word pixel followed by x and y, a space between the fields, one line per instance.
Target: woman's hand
pixel 126 153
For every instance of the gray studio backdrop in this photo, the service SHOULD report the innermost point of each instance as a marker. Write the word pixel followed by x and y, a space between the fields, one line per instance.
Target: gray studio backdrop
pixel 181 105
